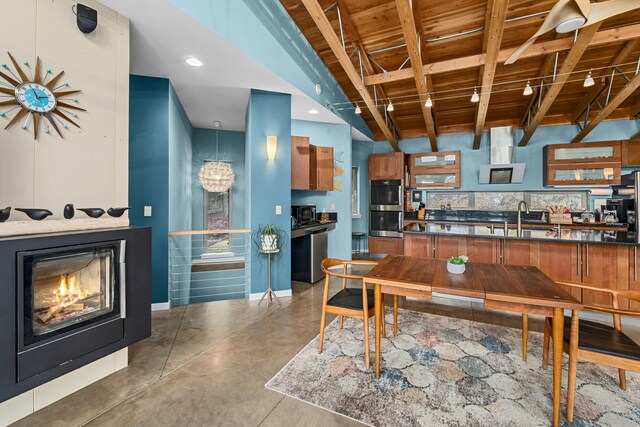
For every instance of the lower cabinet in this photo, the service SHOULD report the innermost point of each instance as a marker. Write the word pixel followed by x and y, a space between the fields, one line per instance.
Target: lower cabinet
pixel 420 245
pixel 561 262
pixel 634 275
pixel 605 266
pixel 386 245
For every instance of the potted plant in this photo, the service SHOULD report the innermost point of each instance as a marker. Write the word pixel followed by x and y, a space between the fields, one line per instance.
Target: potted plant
pixel 269 237
pixel 456 264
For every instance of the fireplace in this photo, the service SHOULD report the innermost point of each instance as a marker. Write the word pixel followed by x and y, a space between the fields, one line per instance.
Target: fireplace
pixel 70 299
pixel 69 288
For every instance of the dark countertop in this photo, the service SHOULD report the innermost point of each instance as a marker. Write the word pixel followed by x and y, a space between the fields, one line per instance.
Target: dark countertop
pixel 542 233
pixel 313 228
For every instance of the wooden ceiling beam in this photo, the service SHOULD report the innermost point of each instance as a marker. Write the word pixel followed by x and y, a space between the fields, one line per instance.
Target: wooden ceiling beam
pixel 582 43
pixel 496 15
pixel 317 14
pixel 634 110
pixel 605 37
pixel 354 38
pixel 411 39
pixel 417 16
pixel 624 93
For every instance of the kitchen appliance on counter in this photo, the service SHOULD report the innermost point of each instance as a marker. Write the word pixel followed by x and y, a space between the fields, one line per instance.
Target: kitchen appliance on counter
pixel 621 208
pixel 386 208
pixel 303 214
pixel 630 186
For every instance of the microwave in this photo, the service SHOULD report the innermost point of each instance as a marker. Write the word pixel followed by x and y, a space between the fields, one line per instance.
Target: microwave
pixel 303 214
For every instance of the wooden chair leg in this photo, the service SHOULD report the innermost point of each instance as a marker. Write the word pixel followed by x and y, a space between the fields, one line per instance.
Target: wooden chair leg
pixel 623 379
pixel 323 319
pixel 545 345
pixel 341 321
pixel 573 365
pixel 395 315
pixel 384 329
pixel 525 335
pixel 366 338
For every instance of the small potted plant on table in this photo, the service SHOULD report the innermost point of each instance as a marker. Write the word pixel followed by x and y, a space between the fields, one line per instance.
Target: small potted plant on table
pixel 456 264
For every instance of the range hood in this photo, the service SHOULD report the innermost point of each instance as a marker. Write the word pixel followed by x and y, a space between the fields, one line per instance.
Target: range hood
pixel 502 170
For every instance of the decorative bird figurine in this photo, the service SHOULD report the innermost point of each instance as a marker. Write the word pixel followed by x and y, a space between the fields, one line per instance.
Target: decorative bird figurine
pixel 5 213
pixel 35 214
pixel 68 211
pixel 93 212
pixel 116 212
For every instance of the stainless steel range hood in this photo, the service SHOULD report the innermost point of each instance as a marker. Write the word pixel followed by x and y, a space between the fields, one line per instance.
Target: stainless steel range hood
pixel 502 170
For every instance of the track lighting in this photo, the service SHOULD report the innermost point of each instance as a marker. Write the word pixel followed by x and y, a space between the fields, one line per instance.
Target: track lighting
pixel 358 110
pixel 527 89
pixel 390 106
pixel 428 103
pixel 475 97
pixel 588 81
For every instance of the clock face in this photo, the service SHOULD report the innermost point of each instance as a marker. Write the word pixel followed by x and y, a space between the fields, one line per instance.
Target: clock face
pixel 35 97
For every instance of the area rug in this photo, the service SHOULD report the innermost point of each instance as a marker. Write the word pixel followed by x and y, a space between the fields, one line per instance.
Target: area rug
pixel 449 372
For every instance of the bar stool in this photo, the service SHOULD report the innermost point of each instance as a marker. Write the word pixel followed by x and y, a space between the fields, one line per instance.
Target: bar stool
pixel 358 237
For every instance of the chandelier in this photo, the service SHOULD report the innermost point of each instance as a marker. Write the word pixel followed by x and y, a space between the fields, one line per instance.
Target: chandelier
pixel 216 176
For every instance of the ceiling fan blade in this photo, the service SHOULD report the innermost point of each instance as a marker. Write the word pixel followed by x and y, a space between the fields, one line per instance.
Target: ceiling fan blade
pixel 607 9
pixel 557 15
pixel 584 6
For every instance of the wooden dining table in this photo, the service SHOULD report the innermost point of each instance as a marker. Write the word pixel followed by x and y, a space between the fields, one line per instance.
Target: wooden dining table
pixel 502 287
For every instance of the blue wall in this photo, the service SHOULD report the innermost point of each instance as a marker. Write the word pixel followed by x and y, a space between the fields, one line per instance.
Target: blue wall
pixel 264 31
pixel 149 170
pixel 360 158
pixel 338 137
pixel 268 182
pixel 159 170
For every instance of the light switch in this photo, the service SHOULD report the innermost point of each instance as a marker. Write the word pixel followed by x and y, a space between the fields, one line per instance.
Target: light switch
pixel 333 206
pixel 278 210
pixel 147 211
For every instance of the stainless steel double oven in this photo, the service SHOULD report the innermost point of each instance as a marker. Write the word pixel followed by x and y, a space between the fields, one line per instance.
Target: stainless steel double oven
pixel 386 208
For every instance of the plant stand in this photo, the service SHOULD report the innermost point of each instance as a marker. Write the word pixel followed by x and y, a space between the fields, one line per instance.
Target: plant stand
pixel 269 292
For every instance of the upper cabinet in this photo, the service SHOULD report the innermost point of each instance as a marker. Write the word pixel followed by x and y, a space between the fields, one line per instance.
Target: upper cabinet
pixel 311 166
pixel 386 166
pixel 583 164
pixel 631 152
pixel 435 170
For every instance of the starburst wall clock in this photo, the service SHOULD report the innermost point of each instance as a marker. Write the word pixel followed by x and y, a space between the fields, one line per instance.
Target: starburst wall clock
pixel 33 99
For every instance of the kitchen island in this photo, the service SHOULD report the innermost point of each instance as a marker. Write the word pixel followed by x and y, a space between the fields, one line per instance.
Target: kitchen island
pixel 599 257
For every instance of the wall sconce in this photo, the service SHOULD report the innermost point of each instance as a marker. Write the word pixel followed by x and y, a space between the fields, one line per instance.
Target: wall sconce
pixel 272 146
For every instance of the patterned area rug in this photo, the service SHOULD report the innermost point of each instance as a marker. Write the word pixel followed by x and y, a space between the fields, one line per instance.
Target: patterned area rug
pixel 444 371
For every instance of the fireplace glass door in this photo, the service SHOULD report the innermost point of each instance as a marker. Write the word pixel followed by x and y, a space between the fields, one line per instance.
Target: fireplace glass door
pixel 69 288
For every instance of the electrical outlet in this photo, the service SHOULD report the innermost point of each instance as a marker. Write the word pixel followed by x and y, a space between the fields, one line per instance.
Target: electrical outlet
pixel 333 206
pixel 278 210
pixel 147 211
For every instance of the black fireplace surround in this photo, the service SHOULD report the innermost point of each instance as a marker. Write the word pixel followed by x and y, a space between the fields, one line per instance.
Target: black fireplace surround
pixel 68 299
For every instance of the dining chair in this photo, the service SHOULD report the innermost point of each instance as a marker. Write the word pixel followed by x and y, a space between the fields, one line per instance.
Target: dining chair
pixel 356 302
pixel 596 342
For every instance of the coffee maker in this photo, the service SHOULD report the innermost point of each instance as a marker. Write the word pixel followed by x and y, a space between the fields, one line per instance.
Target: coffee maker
pixel 623 209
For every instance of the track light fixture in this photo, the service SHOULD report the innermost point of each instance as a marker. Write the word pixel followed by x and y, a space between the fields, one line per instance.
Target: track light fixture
pixel 428 103
pixel 390 106
pixel 588 81
pixel 527 89
pixel 475 97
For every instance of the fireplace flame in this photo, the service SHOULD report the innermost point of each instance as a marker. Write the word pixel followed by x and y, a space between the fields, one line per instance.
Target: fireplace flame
pixel 68 292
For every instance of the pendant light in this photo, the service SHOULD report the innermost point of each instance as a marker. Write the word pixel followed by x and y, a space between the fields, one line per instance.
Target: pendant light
pixel 588 81
pixel 216 176
pixel 390 106
pixel 358 110
pixel 475 97
pixel 429 102
pixel 527 89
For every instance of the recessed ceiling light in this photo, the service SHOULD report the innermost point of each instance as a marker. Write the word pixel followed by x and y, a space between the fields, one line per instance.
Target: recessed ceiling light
pixel 194 62
pixel 313 111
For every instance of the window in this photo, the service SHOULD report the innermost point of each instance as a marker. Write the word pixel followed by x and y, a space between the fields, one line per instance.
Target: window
pixel 217 216
pixel 355 191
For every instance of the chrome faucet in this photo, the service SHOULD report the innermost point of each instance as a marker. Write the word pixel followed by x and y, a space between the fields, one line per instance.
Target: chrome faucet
pixel 526 208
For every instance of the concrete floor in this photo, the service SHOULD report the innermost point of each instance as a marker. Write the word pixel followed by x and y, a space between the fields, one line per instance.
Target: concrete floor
pixel 206 364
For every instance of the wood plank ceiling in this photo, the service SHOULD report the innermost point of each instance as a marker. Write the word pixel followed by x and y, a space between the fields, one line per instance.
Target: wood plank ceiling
pixel 446 48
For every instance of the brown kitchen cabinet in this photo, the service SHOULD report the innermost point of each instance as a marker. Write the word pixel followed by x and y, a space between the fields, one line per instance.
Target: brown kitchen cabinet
pixel 584 152
pixel 386 166
pixel 386 245
pixel 435 170
pixel 561 262
pixel 583 164
pixel 605 266
pixel 324 168
pixel 519 252
pixel 634 275
pixel 419 245
pixel 311 165
pixel 583 174
pixel 478 249
pixel 631 152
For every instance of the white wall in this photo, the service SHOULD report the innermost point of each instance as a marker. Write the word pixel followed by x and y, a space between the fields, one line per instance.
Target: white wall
pixel 89 167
